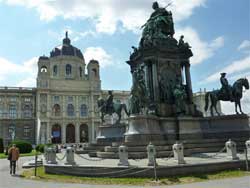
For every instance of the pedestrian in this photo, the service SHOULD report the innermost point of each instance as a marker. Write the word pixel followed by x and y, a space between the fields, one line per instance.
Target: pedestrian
pixel 13 155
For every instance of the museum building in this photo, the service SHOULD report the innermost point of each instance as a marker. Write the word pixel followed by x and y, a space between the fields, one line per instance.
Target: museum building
pixel 63 106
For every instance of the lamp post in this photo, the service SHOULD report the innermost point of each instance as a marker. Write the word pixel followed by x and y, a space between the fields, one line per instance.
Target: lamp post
pixel 13 133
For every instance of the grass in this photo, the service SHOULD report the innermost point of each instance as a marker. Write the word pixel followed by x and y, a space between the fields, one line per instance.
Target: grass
pixel 33 153
pixel 132 181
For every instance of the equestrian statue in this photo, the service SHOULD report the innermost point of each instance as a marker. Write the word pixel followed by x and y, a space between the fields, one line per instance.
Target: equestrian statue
pixel 109 107
pixel 227 93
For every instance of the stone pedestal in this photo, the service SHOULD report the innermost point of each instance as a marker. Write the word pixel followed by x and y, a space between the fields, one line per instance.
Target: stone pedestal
pixel 248 147
pixel 70 159
pixel 178 153
pixel 143 129
pixel 123 156
pixel 231 150
pixel 51 156
pixel 108 133
pixel 151 155
pixel 219 127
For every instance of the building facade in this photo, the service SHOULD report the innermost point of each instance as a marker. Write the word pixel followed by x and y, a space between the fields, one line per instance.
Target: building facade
pixel 17 114
pixel 63 106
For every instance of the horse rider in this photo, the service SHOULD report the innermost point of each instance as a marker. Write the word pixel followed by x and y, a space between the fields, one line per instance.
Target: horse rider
pixel 226 88
pixel 109 102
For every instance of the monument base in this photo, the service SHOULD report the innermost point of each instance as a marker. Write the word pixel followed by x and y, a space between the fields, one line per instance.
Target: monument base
pixel 197 134
pixel 110 133
pixel 143 129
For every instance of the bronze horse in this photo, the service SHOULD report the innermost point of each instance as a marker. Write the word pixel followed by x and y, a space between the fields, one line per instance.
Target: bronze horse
pixel 117 108
pixel 216 95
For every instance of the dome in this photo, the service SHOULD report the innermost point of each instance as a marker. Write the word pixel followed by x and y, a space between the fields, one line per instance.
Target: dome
pixel 43 58
pixel 66 49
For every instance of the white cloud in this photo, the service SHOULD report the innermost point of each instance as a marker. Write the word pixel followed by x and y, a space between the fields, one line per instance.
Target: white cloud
pixel 27 70
pixel 28 82
pixel 99 54
pixel 202 50
pixel 73 34
pixel 107 13
pixel 245 45
pixel 217 43
pixel 234 67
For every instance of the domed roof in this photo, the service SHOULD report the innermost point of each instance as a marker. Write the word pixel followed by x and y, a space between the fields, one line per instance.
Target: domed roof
pixel 66 49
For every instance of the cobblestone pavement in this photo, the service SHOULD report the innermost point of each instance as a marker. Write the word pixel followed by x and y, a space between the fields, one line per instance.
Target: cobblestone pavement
pixel 7 181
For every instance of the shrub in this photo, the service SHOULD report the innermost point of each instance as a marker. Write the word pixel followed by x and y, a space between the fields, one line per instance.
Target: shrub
pixel 24 147
pixel 40 147
pixel 1 146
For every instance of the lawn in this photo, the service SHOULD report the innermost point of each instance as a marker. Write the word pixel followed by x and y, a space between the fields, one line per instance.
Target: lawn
pixel 3 156
pixel 132 181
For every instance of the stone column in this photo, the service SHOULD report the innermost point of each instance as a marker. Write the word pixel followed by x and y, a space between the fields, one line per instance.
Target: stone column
pixel 178 153
pixel 63 132
pixel 19 107
pixel 48 132
pixel 77 132
pixel 123 156
pixel 248 146
pixel 49 105
pixel 188 81
pixel 70 158
pixel 155 82
pixel 64 106
pixel 231 150
pixel 92 128
pixel 151 151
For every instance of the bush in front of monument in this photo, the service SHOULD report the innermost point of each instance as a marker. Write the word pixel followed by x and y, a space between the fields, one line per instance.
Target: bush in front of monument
pixel 24 146
pixel 1 146
pixel 40 147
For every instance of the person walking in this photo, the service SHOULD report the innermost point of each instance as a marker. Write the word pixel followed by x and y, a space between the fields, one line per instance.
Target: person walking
pixel 13 155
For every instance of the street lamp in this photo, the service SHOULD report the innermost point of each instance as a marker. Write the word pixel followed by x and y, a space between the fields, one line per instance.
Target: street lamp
pixel 13 133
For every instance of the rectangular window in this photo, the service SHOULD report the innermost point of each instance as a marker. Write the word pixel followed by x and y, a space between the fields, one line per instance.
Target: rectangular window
pixel 26 131
pixel 70 99
pixel 27 99
pixel 27 111
pixel 56 98
pixel 13 111
pixel 12 99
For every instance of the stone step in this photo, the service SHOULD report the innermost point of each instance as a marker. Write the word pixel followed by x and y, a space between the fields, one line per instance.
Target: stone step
pixel 92 154
pixel 169 147
pixel 164 153
pixel 191 141
pixel 137 148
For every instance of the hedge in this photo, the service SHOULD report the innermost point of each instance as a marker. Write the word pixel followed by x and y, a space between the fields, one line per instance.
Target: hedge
pixel 40 147
pixel 24 146
pixel 1 146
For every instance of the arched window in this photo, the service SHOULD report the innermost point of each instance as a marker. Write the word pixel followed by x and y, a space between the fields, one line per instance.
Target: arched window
pixel 84 110
pixel 84 132
pixel 94 72
pixel 27 111
pixel 57 110
pixel 70 110
pixel 13 111
pixel 56 134
pixel 68 69
pixel 43 69
pixel 80 71
pixel 55 70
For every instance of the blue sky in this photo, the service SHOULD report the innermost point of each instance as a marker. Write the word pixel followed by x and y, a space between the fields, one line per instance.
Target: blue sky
pixel 217 30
